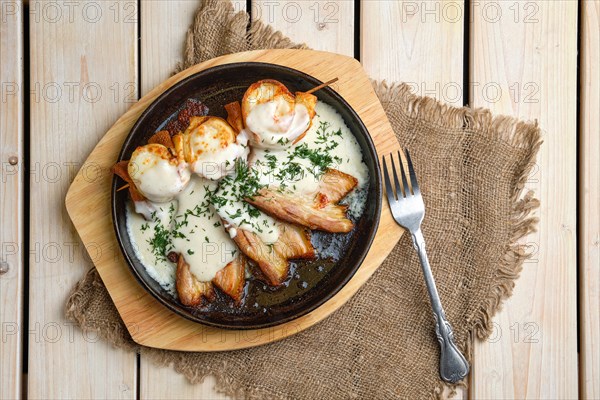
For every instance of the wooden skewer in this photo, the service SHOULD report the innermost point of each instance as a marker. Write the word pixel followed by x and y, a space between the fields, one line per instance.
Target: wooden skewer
pixel 321 86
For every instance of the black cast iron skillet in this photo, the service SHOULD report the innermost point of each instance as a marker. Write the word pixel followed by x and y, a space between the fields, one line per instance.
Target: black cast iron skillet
pixel 310 283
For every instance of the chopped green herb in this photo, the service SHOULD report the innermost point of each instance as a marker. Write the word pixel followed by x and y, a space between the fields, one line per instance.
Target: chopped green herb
pixel 160 242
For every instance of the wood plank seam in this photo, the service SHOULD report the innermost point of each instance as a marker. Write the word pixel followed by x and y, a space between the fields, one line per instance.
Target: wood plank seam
pixel 589 201
pixel 421 43
pixel 88 204
pixel 155 377
pixel 11 194
pixel 77 88
pixel 528 52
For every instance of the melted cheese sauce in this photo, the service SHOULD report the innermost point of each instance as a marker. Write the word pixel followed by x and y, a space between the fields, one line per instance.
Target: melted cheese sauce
pixel 212 160
pixel 199 235
pixel 328 136
pixel 275 129
pixel 152 210
pixel 192 228
pixel 141 233
pixel 156 175
pixel 241 215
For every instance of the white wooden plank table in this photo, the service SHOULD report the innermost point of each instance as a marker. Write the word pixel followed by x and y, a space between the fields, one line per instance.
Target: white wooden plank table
pixel 11 198
pixel 69 69
pixel 534 76
pixel 82 74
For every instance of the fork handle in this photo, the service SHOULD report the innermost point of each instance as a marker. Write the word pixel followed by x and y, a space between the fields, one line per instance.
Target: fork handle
pixel 453 365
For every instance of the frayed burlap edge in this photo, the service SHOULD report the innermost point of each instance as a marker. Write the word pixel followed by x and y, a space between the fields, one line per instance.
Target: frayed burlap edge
pixel 520 134
pixel 517 133
pixel 256 35
pixel 114 333
pixel 250 35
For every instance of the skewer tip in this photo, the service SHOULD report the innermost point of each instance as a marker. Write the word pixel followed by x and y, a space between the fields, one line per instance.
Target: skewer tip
pixel 321 86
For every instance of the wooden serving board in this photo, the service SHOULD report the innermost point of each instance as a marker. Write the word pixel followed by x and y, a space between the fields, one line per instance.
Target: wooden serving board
pixel 89 206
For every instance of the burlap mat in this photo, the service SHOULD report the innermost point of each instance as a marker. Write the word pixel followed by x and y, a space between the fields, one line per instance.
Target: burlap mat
pixel 381 344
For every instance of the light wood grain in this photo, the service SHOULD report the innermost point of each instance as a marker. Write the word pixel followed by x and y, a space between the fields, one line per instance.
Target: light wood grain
pixel 416 42
pixel 589 192
pixel 528 62
pixel 95 54
pixel 333 35
pixel 165 383
pixel 403 40
pixel 396 45
pixel 321 25
pixel 161 49
pixel 153 325
pixel 11 198
pixel 163 33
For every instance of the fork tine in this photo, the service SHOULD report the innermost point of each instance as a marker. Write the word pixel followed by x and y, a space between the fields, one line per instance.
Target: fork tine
pixel 388 185
pixel 404 181
pixel 413 176
pixel 400 190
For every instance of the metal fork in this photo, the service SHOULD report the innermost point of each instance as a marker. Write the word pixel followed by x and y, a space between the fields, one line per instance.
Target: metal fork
pixel 408 210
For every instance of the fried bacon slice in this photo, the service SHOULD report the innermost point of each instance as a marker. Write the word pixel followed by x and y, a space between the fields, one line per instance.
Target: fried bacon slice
pixel 319 212
pixel 191 291
pixel 234 115
pixel 120 169
pixel 333 186
pixel 230 279
pixel 302 211
pixel 162 137
pixel 272 264
pixel 310 102
pixel 293 243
